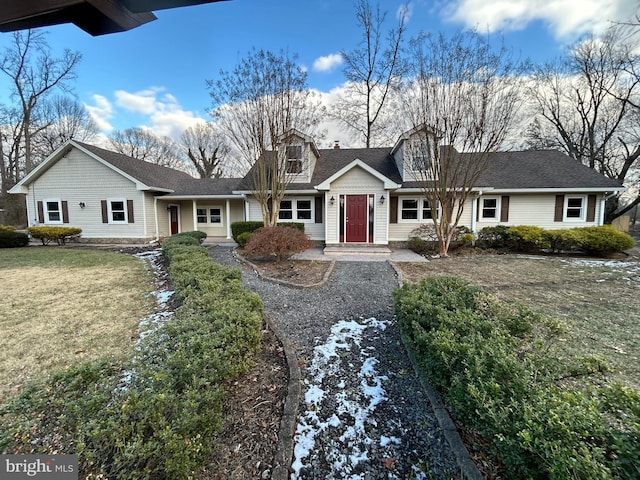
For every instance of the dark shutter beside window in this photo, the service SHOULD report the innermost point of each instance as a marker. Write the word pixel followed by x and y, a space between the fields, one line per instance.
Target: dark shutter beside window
pixel 558 214
pixel 105 212
pixel 393 207
pixel 591 208
pixel 318 213
pixel 130 211
pixel 504 208
pixel 65 211
pixel 40 212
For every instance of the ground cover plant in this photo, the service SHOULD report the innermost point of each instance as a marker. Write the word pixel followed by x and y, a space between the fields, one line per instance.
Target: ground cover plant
pixel 61 306
pixel 495 364
pixel 154 415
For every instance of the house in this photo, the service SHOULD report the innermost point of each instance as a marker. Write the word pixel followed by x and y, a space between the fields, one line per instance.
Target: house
pixel 343 196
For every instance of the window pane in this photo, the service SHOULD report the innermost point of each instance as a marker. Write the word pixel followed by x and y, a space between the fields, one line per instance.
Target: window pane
pixel 285 215
pixel 215 215
pixel 54 216
pixel 285 205
pixel 304 204
pixel 117 206
pixel 52 206
pixel 118 216
pixel 490 203
pixel 427 213
pixel 409 214
pixel 574 203
pixel 294 151
pixel 409 204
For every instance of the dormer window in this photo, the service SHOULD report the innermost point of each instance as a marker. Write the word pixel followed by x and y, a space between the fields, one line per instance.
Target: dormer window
pixel 419 155
pixel 294 159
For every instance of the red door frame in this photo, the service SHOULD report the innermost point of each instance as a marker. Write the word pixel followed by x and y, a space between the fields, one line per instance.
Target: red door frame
pixel 356 218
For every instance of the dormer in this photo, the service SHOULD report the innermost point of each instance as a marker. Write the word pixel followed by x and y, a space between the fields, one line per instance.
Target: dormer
pixel 300 154
pixel 414 152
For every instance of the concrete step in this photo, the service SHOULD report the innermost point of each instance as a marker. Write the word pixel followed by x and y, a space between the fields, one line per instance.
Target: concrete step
pixel 357 250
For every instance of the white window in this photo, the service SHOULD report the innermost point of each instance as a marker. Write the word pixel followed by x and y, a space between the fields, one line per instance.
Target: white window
pixel 209 215
pixel 489 208
pixel 415 209
pixel 294 159
pixel 419 155
pixel 296 210
pixel 574 208
pixel 427 211
pixel 52 211
pixel 117 210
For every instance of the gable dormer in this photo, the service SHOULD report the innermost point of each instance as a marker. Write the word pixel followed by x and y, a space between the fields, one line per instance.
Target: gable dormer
pixel 299 154
pixel 414 152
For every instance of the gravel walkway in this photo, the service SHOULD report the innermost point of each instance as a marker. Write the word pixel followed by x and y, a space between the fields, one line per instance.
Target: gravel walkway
pixel 363 414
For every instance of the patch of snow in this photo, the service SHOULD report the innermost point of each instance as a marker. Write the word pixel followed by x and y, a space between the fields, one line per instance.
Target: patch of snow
pixel 384 441
pixel 347 412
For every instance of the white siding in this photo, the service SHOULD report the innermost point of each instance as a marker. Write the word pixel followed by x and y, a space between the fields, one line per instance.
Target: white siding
pixel 79 178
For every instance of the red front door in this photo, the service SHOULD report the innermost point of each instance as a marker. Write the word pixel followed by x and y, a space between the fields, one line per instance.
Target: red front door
pixel 357 218
pixel 173 219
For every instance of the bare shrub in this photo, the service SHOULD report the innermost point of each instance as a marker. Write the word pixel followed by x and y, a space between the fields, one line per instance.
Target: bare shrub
pixel 276 242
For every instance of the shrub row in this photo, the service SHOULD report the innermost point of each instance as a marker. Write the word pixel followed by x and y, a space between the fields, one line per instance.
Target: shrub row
pixel 497 369
pixel 60 235
pixel 601 240
pixel 152 417
pixel 13 239
pixel 238 228
pixel 7 228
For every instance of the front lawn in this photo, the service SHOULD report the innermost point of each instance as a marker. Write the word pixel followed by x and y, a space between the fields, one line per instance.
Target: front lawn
pixel 60 306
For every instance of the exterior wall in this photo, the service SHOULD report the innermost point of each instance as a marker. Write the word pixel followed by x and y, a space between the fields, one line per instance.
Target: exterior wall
pixel 357 182
pixel 539 209
pixel 79 178
pixel 315 231
pixel 188 220
pixel 524 209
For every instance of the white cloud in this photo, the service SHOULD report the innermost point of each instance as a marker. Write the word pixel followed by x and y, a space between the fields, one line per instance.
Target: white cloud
pixel 101 112
pixel 565 18
pixel 143 102
pixel 327 63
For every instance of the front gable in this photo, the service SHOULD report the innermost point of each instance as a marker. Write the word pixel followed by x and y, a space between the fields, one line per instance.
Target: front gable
pixel 300 154
pixel 359 166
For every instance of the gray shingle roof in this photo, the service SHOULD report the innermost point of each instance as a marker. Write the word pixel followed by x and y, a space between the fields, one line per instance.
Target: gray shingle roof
pixel 150 174
pixel 208 186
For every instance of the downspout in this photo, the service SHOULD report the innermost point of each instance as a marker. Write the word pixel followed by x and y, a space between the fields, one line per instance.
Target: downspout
pixel 603 202
pixel 155 217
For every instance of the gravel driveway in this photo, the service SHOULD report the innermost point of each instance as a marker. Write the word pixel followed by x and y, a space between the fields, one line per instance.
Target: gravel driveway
pixel 363 414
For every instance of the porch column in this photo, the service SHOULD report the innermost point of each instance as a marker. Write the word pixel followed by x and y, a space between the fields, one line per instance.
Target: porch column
pixel 228 213
pixel 603 202
pixel 474 213
pixel 155 216
pixel 195 214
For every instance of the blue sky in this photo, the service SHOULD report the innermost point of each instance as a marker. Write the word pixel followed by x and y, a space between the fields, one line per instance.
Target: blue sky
pixel 154 76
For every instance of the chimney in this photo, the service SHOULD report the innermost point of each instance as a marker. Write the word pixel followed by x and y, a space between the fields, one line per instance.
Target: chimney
pixel 336 145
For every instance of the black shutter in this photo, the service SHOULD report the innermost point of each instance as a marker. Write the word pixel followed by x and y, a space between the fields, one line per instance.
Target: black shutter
pixel 40 212
pixel 591 208
pixel 393 207
pixel 558 214
pixel 65 211
pixel 318 207
pixel 130 211
pixel 105 212
pixel 504 208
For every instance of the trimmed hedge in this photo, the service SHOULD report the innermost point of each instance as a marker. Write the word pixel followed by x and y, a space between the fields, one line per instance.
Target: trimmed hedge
pixel 603 240
pixel 7 228
pixel 12 239
pixel 60 235
pixel 238 228
pixel 154 416
pixel 496 367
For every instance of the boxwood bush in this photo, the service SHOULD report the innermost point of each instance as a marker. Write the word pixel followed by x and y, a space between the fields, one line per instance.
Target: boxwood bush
pixel 496 366
pixel 153 416
pixel 13 239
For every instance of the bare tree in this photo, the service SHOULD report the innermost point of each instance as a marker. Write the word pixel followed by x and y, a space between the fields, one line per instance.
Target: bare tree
pixel 144 145
pixel 67 119
pixel 256 105
pixel 373 70
pixel 460 101
pixel 35 73
pixel 206 148
pixel 590 99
